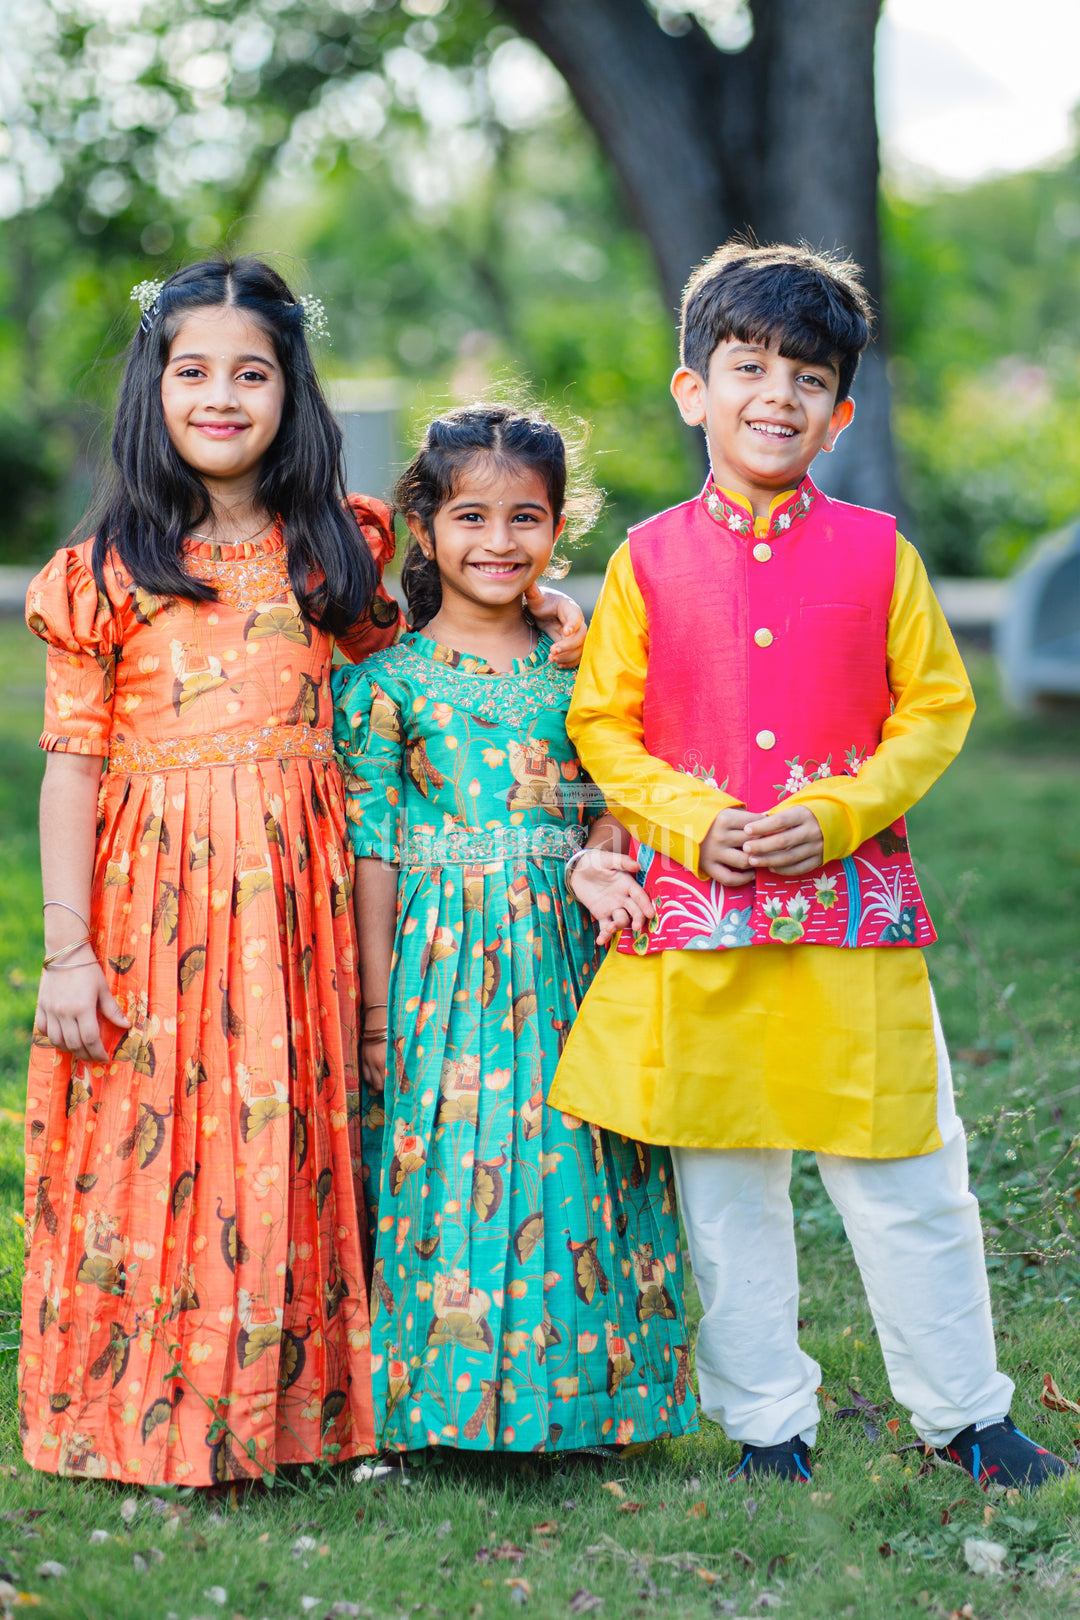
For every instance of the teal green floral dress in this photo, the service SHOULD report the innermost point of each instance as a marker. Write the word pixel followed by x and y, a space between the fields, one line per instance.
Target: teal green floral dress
pixel 527 1285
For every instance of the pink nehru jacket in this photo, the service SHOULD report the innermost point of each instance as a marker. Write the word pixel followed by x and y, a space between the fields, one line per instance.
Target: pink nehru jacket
pixel 767 671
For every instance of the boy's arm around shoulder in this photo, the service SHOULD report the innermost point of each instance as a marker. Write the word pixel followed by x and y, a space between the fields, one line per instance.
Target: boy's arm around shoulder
pixel 932 709
pixel 665 808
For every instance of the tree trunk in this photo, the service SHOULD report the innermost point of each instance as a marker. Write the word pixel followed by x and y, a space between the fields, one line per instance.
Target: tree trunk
pixel 779 139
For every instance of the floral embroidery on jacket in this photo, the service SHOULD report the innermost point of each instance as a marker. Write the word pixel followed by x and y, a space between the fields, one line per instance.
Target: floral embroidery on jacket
pixel 780 521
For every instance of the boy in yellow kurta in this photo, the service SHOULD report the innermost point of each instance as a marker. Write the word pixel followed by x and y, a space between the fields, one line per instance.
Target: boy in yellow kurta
pixel 767 687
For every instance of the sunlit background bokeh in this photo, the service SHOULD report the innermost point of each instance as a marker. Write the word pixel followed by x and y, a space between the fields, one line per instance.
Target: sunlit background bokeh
pixel 424 170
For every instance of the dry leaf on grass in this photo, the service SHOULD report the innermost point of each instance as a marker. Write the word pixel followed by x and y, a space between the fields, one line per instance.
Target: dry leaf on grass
pixel 614 1487
pixel 98 1538
pixel 631 1507
pixel 707 1576
pixel 985 1557
pixel 128 1508
pixel 506 1551
pixel 520 1590
pixel 546 1527
pixel 443 1530
pixel 585 1602
pixel 768 1600
pixel 50 1570
pixel 700 1510
pixel 1054 1400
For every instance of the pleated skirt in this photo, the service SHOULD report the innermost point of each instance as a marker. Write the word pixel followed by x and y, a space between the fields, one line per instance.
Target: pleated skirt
pixel 195 1299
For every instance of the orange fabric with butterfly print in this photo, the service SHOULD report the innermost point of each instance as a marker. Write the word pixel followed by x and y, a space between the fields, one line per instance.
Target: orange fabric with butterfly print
pixel 195 1301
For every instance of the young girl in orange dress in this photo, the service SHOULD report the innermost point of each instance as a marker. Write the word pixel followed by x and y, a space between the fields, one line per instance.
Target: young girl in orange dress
pixel 195 1300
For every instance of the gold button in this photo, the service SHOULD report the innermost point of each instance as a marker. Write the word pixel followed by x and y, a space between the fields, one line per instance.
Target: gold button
pixel 764 638
pixel 766 739
pixel 762 552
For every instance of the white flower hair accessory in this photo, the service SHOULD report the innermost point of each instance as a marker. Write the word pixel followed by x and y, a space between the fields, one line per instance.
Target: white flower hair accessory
pixel 316 324
pixel 146 295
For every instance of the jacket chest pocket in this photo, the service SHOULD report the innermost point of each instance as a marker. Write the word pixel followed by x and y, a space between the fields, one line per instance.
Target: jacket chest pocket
pixel 842 664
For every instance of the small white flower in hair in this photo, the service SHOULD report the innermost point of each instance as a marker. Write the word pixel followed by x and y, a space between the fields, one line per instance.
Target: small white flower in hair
pixel 146 294
pixel 316 324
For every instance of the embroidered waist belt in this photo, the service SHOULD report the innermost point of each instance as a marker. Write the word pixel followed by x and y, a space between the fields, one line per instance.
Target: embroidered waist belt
pixel 469 846
pixel 136 755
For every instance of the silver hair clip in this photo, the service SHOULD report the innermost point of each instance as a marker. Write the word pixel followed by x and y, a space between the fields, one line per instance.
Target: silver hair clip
pixel 146 295
pixel 313 311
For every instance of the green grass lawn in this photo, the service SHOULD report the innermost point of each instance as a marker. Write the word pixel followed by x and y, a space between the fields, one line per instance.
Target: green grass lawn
pixel 998 844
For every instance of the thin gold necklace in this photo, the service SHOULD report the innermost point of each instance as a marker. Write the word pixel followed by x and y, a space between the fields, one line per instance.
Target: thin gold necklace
pixel 213 540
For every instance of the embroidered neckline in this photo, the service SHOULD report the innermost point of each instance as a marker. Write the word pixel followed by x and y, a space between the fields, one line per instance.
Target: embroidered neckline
pixel 245 551
pixel 785 512
pixel 472 663
pixel 510 697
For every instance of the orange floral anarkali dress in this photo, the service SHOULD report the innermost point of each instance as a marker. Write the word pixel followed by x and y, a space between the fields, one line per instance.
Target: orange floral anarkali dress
pixel 195 1302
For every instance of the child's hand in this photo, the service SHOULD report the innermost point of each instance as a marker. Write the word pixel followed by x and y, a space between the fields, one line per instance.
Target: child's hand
pixel 722 856
pixel 373 1062
pixel 69 1004
pixel 788 842
pixel 606 884
pixel 559 617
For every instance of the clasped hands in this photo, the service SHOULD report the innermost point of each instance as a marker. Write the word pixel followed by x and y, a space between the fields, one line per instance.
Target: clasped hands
pixel 788 842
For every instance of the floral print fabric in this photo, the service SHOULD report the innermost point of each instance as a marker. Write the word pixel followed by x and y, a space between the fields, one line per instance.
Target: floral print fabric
pixel 528 1278
pixel 194 1305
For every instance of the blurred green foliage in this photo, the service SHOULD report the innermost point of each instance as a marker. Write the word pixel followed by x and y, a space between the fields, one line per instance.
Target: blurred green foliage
pixel 423 170
pixel 984 333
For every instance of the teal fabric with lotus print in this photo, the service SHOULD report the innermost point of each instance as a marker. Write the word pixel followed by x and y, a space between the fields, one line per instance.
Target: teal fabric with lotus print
pixel 527 1286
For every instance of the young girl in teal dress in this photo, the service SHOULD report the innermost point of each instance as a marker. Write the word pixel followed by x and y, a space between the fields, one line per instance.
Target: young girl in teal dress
pixel 527 1286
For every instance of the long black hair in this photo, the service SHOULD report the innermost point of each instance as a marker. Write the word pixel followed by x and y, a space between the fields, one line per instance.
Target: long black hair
pixel 512 436
pixel 154 499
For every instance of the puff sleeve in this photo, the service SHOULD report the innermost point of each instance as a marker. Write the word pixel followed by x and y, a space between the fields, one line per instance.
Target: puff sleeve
pixel 78 624
pixel 382 623
pixel 369 740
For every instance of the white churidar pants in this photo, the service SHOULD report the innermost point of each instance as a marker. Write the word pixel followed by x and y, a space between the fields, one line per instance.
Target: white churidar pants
pixel 913 1225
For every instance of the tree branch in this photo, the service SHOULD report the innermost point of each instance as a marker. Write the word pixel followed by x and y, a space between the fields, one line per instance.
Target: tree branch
pixel 647 95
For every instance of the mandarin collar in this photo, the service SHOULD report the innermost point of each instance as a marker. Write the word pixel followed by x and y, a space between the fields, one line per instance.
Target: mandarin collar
pixel 734 512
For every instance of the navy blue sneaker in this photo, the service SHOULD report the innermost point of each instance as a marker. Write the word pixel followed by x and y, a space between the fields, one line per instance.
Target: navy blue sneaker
pixel 788 1461
pixel 998 1454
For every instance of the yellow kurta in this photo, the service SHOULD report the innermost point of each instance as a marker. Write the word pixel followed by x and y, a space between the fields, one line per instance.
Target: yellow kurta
pixel 777 1046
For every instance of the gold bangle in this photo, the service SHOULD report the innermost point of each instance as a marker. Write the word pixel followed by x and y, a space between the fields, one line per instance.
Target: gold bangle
pixel 66 950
